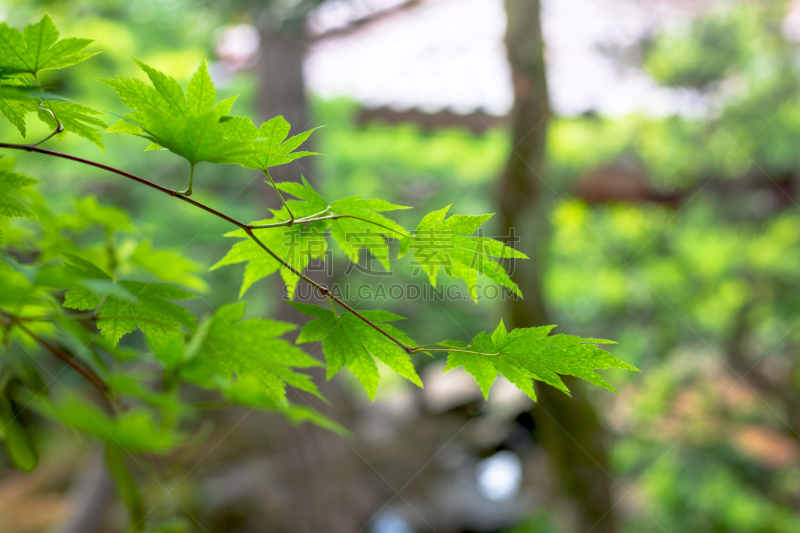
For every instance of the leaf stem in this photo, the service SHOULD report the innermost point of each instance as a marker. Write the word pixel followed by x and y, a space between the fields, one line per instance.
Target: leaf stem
pixel 288 223
pixel 188 191
pixel 332 216
pixel 59 125
pixel 324 291
pixel 318 214
pixel 316 217
pixel 374 224
pixel 291 215
pixel 333 308
pixel 440 348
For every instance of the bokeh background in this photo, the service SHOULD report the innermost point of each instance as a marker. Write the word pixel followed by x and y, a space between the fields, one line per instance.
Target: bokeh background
pixel 647 153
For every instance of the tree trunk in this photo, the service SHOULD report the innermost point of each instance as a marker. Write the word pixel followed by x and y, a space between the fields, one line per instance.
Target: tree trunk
pixel 569 427
pixel 320 474
pixel 282 88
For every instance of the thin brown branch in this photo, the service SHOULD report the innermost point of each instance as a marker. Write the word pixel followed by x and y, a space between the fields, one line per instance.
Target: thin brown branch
pixel 70 361
pixel 165 190
pixel 324 291
pixel 246 227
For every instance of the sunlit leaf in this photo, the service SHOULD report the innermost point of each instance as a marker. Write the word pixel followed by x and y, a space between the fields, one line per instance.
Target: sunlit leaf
pixel 349 341
pixel 299 244
pixel 448 245
pixel 75 118
pixel 38 48
pixel 527 354
pixel 233 347
pixel 273 148
pixel 195 130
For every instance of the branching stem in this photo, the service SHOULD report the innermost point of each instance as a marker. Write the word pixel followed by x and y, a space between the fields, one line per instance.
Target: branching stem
pixel 439 348
pixel 70 361
pixel 288 223
pixel 248 229
pixel 324 291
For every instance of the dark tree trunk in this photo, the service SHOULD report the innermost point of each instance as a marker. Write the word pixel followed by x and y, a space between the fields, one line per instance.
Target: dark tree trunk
pixel 319 474
pixel 569 427
pixel 282 89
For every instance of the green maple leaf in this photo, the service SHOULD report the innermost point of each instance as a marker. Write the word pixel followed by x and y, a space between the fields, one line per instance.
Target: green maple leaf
pixel 250 349
pixel 126 305
pixel 367 228
pixel 154 315
pixel 526 354
pixel 191 125
pixel 298 246
pixel 249 391
pixel 446 244
pixel 349 341
pixel 11 203
pixel 75 118
pixel 15 102
pixel 38 48
pixel 272 147
pixel 310 201
pixel 15 110
pixel 90 284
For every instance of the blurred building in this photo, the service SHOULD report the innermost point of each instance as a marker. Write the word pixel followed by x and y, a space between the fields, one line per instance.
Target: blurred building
pixel 449 55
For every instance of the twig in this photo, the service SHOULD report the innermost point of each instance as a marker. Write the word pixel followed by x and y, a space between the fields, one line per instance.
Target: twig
pixel 324 291
pixel 246 227
pixel 71 362
pixel 165 190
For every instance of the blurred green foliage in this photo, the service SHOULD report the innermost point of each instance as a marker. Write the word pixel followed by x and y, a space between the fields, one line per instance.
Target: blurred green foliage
pixel 681 283
pixel 673 282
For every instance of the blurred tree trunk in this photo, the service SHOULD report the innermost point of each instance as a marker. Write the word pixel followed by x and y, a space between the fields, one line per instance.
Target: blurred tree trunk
pixel 282 91
pixel 282 88
pixel 569 427
pixel 319 476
